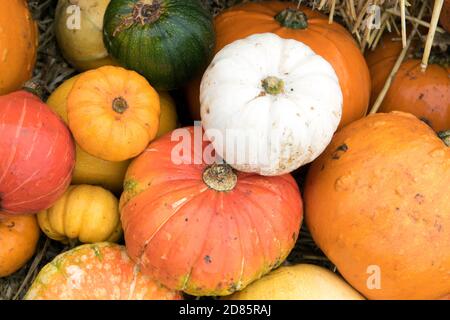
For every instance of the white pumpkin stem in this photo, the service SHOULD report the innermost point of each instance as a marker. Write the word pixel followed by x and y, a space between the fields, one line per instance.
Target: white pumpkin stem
pixel 273 85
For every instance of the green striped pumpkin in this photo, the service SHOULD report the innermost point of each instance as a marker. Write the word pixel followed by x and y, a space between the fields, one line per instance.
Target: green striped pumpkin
pixel 167 41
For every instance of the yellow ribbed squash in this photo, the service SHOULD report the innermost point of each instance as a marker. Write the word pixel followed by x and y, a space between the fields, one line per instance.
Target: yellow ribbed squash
pixel 86 213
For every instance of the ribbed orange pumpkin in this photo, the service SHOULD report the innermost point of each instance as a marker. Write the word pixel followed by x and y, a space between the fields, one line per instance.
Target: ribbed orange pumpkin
pixel 424 94
pixel 18 45
pixel 205 230
pixel 377 204
pixel 113 113
pixel 331 41
pixel 101 271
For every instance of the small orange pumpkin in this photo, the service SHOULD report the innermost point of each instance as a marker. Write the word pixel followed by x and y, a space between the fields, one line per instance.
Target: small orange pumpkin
pixel 424 94
pixel 377 204
pixel 331 41
pixel 113 113
pixel 18 45
pixel 19 236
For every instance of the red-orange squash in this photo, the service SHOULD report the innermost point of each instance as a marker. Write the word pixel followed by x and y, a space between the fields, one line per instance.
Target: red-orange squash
pixel 100 271
pixel 37 154
pixel 424 94
pixel 18 45
pixel 205 229
pixel 331 41
pixel 377 204
pixel 19 236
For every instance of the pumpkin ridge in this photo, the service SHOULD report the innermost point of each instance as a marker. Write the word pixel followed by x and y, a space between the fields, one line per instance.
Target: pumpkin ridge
pixel 177 210
pixel 186 281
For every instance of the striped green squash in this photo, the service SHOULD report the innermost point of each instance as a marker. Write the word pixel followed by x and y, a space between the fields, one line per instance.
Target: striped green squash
pixel 167 41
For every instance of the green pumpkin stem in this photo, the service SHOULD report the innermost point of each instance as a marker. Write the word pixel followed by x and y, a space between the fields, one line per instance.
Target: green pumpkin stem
pixel 144 12
pixel 445 136
pixel 273 85
pixel 292 18
pixel 220 177
pixel 119 105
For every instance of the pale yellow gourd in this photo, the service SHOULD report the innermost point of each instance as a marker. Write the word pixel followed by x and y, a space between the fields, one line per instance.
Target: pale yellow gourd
pixel 299 282
pixel 86 213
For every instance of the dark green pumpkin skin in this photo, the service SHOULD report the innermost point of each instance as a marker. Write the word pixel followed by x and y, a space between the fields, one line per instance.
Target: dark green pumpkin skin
pixel 168 48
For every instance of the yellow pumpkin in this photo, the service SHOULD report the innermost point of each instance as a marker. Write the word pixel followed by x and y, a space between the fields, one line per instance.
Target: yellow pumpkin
pixel 168 120
pixel 299 282
pixel 82 45
pixel 87 213
pixel 113 113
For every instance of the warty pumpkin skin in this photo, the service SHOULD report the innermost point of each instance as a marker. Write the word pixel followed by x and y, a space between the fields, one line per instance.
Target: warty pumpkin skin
pixel 424 94
pixel 167 41
pixel 18 45
pixel 206 230
pixel 37 154
pixel 100 271
pixel 83 48
pixel 273 115
pixel 19 236
pixel 113 113
pixel 298 282
pixel 86 213
pixel 331 41
pixel 377 197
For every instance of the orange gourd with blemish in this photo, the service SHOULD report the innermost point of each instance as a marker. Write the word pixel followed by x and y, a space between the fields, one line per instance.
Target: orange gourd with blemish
pixel 101 271
pixel 377 204
pixel 113 113
pixel 331 41
pixel 206 230
pixel 424 94
pixel 19 236
pixel 18 45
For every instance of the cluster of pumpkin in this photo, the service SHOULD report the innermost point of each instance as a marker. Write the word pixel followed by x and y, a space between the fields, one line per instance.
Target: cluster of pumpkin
pixel 375 195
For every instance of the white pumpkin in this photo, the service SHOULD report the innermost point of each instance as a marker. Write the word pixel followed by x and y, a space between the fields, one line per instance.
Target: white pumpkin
pixel 269 105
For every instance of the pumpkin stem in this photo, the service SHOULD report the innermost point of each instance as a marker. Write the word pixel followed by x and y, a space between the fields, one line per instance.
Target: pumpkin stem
pixel 292 18
pixel 273 85
pixel 144 12
pixel 220 177
pixel 35 87
pixel 119 105
pixel 445 136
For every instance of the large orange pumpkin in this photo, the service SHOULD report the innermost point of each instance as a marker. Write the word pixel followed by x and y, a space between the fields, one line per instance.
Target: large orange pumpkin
pixel 331 41
pixel 205 230
pixel 424 94
pixel 377 204
pixel 101 271
pixel 113 113
pixel 18 45
pixel 19 236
